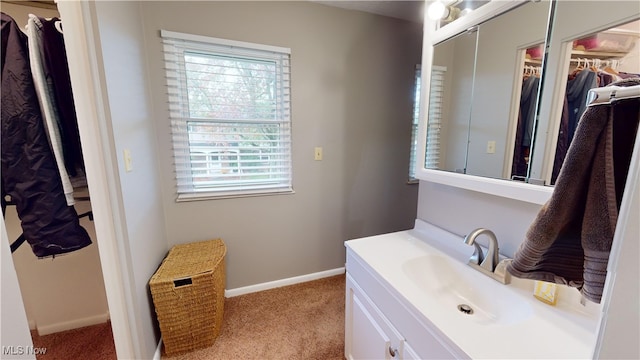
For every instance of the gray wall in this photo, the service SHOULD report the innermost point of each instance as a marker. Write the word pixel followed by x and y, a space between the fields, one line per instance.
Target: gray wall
pixel 132 127
pixel 460 211
pixel 352 82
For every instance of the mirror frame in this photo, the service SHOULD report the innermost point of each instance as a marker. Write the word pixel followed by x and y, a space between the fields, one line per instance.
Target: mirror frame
pixel 536 194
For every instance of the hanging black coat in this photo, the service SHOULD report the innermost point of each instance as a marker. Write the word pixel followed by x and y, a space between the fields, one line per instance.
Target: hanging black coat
pixel 29 173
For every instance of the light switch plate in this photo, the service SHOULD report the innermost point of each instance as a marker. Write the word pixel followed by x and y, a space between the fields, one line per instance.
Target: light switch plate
pixel 128 164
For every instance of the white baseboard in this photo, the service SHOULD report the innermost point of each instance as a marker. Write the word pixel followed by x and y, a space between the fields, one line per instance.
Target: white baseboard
pixel 72 324
pixel 158 354
pixel 283 282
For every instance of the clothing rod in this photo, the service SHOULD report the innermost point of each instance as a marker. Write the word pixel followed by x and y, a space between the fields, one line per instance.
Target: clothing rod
pixel 591 59
pixel 607 94
pixel 597 62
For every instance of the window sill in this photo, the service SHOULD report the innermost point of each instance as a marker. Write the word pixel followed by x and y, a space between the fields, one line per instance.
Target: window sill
pixel 213 196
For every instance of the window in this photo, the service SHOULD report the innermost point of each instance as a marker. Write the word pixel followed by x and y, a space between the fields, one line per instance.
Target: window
pixel 229 106
pixel 432 151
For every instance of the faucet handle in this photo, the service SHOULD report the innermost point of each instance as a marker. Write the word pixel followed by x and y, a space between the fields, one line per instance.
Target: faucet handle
pixel 501 274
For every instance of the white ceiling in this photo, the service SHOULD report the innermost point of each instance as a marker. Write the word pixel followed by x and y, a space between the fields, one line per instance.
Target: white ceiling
pixel 411 10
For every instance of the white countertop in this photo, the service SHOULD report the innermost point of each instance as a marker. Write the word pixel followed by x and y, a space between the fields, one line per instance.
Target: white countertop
pixel 520 326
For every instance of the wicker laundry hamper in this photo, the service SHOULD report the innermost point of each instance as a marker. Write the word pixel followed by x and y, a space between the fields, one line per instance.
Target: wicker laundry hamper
pixel 188 294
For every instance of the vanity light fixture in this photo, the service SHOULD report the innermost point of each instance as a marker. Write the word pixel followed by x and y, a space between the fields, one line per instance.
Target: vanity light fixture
pixel 439 11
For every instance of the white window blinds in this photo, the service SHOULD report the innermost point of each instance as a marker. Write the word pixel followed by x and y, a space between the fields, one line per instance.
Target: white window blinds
pixel 414 124
pixel 434 123
pixel 229 106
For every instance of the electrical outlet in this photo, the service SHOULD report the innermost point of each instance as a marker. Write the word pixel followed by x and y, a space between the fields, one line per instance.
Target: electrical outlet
pixel 317 154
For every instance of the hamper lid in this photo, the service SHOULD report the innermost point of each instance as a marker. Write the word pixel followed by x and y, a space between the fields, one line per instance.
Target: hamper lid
pixel 186 260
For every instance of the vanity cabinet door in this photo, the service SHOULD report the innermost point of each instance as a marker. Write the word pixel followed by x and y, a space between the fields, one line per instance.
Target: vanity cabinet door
pixel 409 354
pixel 369 335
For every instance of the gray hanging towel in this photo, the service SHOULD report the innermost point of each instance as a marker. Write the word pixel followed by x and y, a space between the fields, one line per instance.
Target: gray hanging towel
pixel 570 239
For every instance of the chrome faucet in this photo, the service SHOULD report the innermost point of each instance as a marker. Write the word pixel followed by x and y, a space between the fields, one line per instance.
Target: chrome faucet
pixel 491 260
pixel 490 264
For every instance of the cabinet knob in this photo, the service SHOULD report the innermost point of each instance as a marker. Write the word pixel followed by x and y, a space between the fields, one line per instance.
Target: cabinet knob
pixel 393 352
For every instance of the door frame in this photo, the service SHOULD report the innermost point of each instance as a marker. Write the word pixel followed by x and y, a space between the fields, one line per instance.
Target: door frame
pixel 84 56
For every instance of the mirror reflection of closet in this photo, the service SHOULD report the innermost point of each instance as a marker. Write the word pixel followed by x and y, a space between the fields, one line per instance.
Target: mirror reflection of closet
pixel 596 60
pixel 526 114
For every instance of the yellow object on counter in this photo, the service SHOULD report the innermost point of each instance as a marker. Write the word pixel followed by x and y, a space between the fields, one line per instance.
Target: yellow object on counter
pixel 546 292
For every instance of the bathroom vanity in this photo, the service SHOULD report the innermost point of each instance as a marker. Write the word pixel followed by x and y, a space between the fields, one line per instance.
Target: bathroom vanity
pixel 412 295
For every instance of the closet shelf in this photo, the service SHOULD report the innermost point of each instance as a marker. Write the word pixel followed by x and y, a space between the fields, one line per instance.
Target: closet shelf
pixel 598 54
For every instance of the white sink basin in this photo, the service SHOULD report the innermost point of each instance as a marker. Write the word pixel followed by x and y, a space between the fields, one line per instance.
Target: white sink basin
pixel 452 284
pixel 427 269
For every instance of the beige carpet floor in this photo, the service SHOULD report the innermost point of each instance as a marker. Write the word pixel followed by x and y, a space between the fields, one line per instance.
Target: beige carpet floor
pixel 91 342
pixel 302 321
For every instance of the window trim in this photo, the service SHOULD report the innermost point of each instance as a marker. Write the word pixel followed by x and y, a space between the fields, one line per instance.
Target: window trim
pixel 436 98
pixel 223 42
pixel 179 122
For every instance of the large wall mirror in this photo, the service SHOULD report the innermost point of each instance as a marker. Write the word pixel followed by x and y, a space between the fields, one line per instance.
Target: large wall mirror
pixel 485 69
pixel 491 85
pixel 592 49
pixel 503 71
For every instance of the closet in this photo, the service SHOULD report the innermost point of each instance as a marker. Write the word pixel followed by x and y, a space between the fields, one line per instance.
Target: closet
pixel 597 60
pixel 531 70
pixel 65 291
